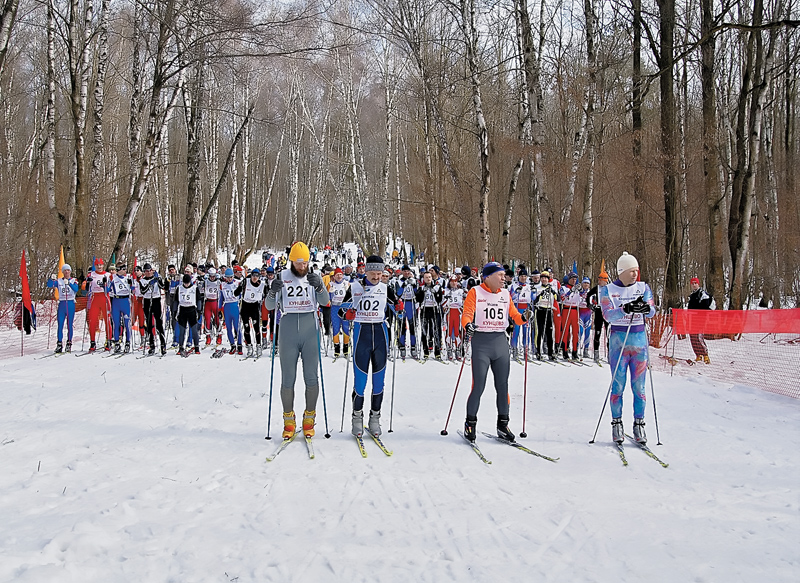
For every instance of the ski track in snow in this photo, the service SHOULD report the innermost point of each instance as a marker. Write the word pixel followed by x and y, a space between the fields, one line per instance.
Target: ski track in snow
pixel 154 470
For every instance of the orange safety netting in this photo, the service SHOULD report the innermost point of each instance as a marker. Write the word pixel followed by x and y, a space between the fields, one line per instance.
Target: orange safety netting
pixel 736 321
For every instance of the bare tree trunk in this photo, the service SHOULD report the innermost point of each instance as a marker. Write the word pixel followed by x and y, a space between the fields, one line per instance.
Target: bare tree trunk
pixel 8 14
pixel 772 279
pixel 591 63
pixel 79 38
pixel 471 40
pixel 666 63
pixel 49 147
pixel 715 280
pixel 640 250
pixel 98 154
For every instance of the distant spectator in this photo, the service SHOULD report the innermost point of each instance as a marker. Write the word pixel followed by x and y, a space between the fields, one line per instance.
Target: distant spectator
pixel 699 300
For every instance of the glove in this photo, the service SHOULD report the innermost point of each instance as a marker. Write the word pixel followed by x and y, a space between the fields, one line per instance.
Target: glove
pixel 527 315
pixel 411 281
pixel 275 286
pixel 399 306
pixel 315 281
pixel 640 306
pixel 350 315
pixel 469 330
pixel 54 277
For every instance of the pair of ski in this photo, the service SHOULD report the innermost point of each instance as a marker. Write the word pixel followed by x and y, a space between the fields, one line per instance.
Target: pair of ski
pixel 513 444
pixel 285 443
pixel 54 354
pixel 530 361
pixel 643 447
pixel 376 439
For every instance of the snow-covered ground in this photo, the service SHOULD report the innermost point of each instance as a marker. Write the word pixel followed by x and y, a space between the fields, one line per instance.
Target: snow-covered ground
pixel 154 470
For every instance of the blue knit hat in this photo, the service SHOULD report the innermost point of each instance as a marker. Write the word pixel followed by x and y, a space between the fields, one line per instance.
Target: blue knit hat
pixel 229 272
pixel 490 268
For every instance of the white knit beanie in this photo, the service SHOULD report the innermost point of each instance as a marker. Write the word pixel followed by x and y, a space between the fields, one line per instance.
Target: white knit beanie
pixel 626 262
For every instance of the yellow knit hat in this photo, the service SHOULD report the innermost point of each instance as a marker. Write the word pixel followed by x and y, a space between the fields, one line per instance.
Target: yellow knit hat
pixel 299 252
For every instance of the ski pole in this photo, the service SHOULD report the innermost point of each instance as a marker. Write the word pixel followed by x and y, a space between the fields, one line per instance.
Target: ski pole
pixel 271 378
pixel 458 381
pixel 346 372
pixel 394 375
pixel 613 376
pixel 652 389
pixel 322 380
pixel 524 394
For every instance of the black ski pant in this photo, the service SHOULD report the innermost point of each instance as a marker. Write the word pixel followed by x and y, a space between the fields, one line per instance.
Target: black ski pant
pixel 152 311
pixel 544 330
pixel 431 330
pixel 251 311
pixel 187 317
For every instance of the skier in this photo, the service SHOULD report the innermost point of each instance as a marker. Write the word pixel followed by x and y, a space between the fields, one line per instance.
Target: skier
pixel 626 303
pixel 570 303
pixel 138 304
pixel 120 292
pixel 593 300
pixel 229 291
pixel 584 317
pixel 96 282
pixel 699 300
pixel 371 345
pixel 298 293
pixel 252 296
pixel 545 304
pixel 453 300
pixel 151 286
pixel 67 287
pixel 211 306
pixel 487 311
pixel 429 298
pixel 522 295
pixel 407 290
pixel 337 288
pixel 187 314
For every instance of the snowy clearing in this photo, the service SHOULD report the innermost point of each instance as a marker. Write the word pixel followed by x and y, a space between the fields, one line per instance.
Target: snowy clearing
pixel 154 470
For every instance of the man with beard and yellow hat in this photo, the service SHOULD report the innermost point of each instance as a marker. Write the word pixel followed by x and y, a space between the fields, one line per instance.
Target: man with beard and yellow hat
pixel 298 293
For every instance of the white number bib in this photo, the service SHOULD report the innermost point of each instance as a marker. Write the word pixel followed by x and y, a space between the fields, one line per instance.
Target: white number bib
pixel 491 310
pixel 338 291
pixel 369 302
pixel 455 298
pixel 187 296
pixel 297 294
pixel 253 294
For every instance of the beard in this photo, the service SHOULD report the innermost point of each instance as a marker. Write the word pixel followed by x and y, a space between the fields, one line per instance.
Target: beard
pixel 299 272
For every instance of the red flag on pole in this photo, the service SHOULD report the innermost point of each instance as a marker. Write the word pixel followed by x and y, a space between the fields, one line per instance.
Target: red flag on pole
pixel 26 288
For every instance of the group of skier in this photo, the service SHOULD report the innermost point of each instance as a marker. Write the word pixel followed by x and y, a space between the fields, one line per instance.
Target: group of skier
pixel 373 308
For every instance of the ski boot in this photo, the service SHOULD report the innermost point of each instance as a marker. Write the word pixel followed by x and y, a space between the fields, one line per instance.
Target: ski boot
pixel 437 355
pixel 127 347
pixel 233 349
pixel 403 352
pixel 249 351
pixel 374 422
pixel 208 339
pixel 151 351
pixel 552 357
pixel 617 431
pixel 706 359
pixel 107 346
pixel 597 356
pixel 574 355
pixel 699 358
pixel 239 349
pixel 180 351
pixel 638 431
pixel 59 348
pixel 469 427
pixel 68 347
pixel 219 339
pixel 289 425
pixel 196 349
pixel 117 348
pixel 259 350
pixel 502 428
pixel 358 423
pixel 346 349
pixel 336 351
pixel 414 352
pixel 585 353
pixel 163 349
pixel 92 346
pixel 309 420
pixel 565 354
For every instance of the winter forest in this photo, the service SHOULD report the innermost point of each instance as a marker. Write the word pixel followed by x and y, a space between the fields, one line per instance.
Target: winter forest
pixel 541 131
